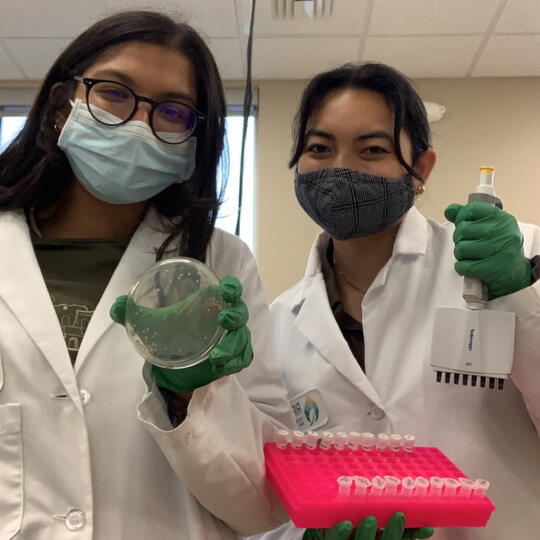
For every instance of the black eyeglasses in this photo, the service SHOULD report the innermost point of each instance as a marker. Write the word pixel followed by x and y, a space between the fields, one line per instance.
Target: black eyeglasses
pixel 112 103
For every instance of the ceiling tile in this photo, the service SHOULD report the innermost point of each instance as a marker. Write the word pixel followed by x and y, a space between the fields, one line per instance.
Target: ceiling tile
pixel 347 20
pixel 520 16
pixel 440 56
pixel 510 56
pixel 53 18
pixel 295 58
pixel 228 55
pixel 213 18
pixel 399 17
pixel 8 70
pixel 35 56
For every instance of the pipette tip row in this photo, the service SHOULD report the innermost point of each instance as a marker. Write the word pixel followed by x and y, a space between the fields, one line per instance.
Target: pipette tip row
pixel 470 380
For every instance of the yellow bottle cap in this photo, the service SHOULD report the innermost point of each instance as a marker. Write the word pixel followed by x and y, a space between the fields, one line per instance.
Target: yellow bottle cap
pixel 487 169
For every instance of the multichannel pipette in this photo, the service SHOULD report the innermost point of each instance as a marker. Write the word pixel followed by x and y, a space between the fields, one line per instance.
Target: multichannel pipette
pixel 474 346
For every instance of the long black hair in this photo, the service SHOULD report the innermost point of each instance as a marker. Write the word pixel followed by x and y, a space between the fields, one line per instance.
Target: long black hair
pixel 402 99
pixel 34 172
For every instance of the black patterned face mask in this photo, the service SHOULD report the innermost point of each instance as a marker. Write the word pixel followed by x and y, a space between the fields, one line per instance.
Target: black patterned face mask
pixel 348 204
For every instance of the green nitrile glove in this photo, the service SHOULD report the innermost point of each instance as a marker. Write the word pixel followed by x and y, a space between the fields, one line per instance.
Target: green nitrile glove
pixel 118 310
pixel 340 531
pixel 418 534
pixel 367 530
pixel 233 353
pixel 489 246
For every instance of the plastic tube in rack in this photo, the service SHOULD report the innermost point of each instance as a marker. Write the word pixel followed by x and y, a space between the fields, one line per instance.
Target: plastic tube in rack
pixel 297 439
pixel 450 487
pixel 378 485
pixel 326 440
pixel 435 486
pixel 467 487
pixel 344 486
pixel 383 440
pixel 395 442
pixel 361 486
pixel 421 488
pixel 340 440
pixel 282 438
pixel 408 442
pixel 311 439
pixel 392 484
pixel 407 486
pixel 355 440
pixel 368 439
pixel 481 486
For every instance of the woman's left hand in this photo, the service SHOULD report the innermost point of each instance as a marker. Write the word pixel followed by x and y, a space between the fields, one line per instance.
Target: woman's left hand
pixel 368 530
pixel 231 355
pixel 489 246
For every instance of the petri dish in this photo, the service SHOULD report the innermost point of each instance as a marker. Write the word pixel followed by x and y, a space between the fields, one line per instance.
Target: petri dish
pixel 172 313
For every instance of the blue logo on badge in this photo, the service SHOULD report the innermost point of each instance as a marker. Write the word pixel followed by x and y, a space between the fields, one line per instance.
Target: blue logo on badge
pixel 311 411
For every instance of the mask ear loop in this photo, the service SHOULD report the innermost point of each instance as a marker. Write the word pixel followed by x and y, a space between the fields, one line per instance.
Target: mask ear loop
pixel 56 128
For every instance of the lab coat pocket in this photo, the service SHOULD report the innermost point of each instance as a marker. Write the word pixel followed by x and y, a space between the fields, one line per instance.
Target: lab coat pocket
pixel 11 471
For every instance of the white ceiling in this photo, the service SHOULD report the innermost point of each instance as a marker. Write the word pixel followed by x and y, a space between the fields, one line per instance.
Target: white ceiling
pixel 423 38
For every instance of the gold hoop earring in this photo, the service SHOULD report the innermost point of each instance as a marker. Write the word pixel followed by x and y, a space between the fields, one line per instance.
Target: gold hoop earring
pixel 56 128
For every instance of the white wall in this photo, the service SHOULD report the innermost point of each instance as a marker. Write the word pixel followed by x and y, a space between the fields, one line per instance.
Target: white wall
pixel 488 122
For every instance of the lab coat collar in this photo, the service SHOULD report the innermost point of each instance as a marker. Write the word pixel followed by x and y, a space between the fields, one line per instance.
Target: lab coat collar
pixel 23 289
pixel 138 257
pixel 316 321
pixel 412 236
pixel 411 239
pixel 314 317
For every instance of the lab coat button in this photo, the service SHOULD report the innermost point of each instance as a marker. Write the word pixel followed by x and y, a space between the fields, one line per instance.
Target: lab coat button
pixel 75 520
pixel 85 396
pixel 377 413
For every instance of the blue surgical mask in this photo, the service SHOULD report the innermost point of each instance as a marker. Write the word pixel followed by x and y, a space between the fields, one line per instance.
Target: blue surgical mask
pixel 123 164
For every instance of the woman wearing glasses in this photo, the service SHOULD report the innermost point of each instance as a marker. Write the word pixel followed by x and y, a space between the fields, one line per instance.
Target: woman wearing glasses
pixel 116 167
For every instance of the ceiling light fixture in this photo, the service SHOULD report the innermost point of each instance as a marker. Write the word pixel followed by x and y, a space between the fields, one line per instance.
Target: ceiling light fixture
pixel 302 9
pixel 434 111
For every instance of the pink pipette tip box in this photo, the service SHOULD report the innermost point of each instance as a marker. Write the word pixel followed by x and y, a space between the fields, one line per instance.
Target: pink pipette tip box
pixel 306 481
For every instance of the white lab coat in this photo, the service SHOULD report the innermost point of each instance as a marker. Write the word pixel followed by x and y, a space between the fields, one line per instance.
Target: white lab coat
pixel 92 449
pixel 487 433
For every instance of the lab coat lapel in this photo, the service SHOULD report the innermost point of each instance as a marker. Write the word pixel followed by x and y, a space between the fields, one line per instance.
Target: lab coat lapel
pixel 23 289
pixel 138 257
pixel 316 321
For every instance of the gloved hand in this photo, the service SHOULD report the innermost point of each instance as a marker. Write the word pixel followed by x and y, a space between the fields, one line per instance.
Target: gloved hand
pixel 231 355
pixel 367 530
pixel 489 246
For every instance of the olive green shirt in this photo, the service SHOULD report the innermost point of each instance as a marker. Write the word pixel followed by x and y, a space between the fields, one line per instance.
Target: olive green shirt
pixel 76 272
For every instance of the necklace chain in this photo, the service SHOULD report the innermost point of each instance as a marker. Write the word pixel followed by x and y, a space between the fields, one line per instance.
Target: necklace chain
pixel 347 280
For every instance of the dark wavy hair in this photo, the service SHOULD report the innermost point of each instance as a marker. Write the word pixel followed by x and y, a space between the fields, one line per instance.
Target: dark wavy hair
pixel 402 99
pixel 34 172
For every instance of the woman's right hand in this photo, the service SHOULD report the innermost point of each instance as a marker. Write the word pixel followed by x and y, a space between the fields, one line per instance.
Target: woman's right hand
pixel 368 529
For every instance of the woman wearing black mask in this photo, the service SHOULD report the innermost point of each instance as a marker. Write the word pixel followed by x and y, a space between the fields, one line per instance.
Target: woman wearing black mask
pixel 354 335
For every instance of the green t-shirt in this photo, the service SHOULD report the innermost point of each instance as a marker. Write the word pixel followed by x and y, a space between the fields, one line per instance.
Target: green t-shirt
pixel 76 273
